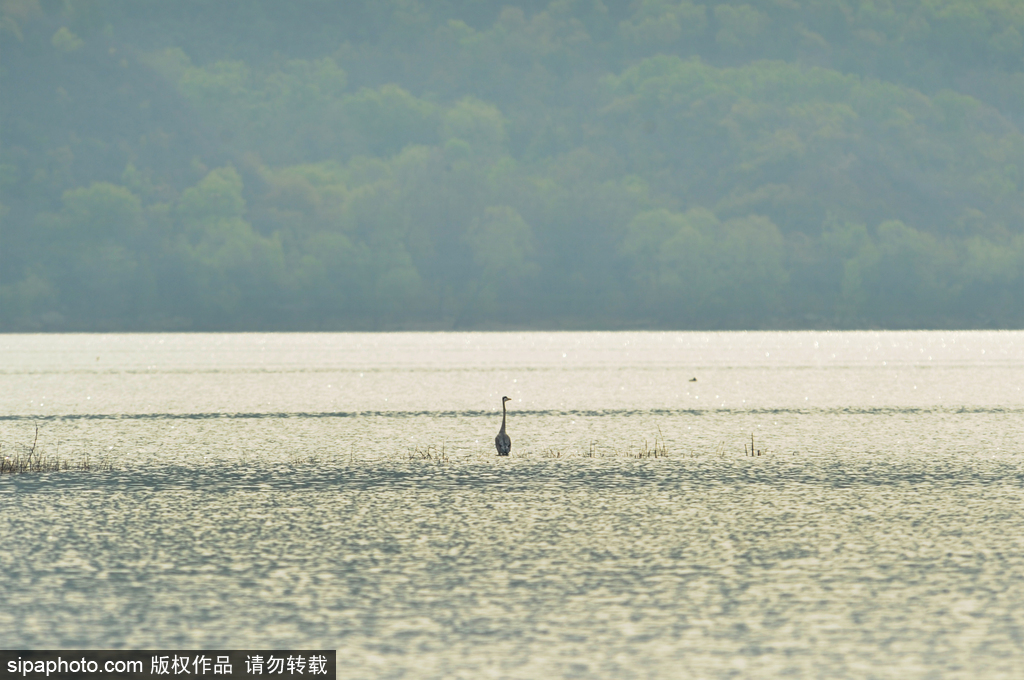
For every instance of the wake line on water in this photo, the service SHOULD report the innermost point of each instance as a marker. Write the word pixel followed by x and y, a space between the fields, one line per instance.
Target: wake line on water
pixel 298 415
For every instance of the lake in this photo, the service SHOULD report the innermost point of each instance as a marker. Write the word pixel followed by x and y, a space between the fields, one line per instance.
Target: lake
pixel 341 491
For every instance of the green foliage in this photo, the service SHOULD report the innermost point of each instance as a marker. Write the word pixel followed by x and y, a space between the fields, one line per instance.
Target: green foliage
pixel 659 24
pixel 103 212
pixel 697 268
pixel 740 27
pixel 386 120
pixel 94 256
pixel 476 123
pixel 501 243
pixel 573 163
pixel 229 264
pixel 66 41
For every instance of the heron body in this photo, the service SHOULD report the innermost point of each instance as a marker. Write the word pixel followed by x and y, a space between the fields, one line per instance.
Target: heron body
pixel 503 442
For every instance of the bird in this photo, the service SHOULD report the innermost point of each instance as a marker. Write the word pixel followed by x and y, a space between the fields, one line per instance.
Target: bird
pixel 503 442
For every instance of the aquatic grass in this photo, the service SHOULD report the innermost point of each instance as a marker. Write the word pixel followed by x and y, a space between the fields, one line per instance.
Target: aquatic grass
pixel 434 453
pixel 646 450
pixel 753 451
pixel 35 459
pixel 430 453
pixel 724 450
pixel 303 458
pixel 643 449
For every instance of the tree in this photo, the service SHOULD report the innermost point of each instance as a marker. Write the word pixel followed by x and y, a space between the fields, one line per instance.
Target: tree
pixel 98 261
pixel 231 270
pixel 693 268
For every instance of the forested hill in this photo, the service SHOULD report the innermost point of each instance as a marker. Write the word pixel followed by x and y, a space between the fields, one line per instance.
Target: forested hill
pixel 400 164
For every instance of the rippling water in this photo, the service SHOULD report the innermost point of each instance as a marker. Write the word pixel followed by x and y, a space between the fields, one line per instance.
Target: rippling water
pixel 284 491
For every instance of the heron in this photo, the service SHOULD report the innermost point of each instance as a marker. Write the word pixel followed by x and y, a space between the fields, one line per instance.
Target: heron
pixel 503 442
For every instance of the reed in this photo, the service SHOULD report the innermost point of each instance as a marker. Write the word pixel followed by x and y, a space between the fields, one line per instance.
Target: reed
pixel 656 450
pixel 303 458
pixel 430 453
pixel 753 451
pixel 592 449
pixel 35 459
pixel 644 449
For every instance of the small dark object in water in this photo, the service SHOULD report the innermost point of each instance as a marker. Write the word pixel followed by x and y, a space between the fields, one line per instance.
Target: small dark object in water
pixel 693 380
pixel 503 442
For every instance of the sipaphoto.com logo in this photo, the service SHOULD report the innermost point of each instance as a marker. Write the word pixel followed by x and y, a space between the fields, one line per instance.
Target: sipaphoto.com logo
pixel 163 664
pixel 60 665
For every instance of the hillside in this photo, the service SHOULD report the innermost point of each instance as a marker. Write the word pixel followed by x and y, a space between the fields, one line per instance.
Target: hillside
pixel 321 165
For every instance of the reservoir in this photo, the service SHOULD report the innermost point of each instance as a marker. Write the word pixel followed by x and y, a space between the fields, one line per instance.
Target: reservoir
pixel 342 491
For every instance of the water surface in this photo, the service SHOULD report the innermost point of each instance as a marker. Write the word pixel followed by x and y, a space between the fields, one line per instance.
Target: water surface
pixel 273 490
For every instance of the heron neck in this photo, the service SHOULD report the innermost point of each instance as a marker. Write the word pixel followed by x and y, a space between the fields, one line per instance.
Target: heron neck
pixel 502 416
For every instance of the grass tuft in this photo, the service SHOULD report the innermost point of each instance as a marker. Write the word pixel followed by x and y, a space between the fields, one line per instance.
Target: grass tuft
pixel 430 453
pixel 753 451
pixel 34 459
pixel 646 450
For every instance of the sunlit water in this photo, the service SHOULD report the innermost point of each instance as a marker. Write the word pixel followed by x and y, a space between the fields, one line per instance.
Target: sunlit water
pixel 285 491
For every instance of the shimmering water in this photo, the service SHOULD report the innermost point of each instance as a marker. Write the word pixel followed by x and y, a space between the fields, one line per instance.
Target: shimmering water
pixel 272 491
